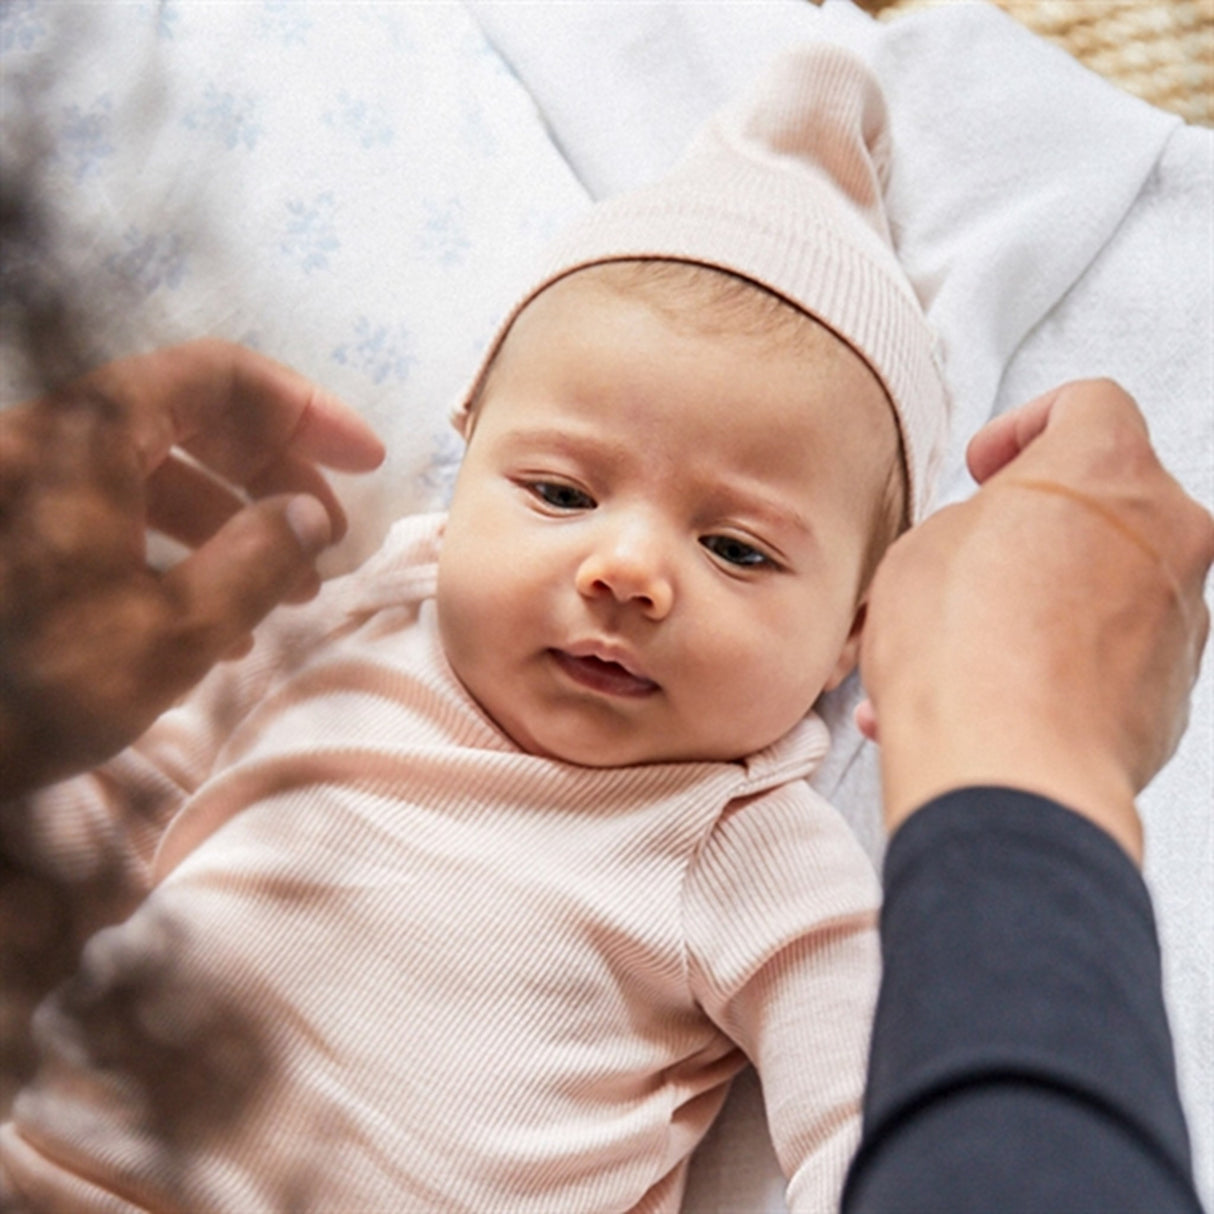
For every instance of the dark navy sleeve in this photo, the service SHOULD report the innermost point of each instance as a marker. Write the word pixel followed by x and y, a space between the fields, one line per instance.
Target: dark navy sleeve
pixel 1021 1061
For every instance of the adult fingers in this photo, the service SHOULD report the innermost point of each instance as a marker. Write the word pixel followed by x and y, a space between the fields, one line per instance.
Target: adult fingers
pixel 1088 441
pixel 1004 437
pixel 188 503
pixel 865 717
pixel 1099 453
pixel 263 393
pixel 262 556
pixel 1084 409
pixel 234 409
pixel 293 475
pixel 327 431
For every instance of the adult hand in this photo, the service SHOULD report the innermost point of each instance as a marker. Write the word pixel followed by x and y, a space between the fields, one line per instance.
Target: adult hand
pixel 94 643
pixel 1045 634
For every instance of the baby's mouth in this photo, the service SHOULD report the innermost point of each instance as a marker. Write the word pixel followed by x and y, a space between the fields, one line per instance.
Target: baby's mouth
pixel 598 674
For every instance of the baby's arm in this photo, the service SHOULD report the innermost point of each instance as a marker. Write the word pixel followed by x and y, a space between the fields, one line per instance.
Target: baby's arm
pixel 781 919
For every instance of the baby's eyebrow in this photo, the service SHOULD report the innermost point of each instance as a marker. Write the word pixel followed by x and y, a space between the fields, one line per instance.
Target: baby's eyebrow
pixel 566 441
pixel 760 504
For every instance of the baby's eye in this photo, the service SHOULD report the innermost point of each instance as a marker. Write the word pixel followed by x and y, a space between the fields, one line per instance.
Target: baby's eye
pixel 735 552
pixel 561 497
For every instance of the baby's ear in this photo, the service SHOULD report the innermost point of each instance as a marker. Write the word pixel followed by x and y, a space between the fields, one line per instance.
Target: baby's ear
pixel 461 419
pixel 849 655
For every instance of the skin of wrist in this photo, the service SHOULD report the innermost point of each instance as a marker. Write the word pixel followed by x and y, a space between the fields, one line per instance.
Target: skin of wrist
pixel 930 755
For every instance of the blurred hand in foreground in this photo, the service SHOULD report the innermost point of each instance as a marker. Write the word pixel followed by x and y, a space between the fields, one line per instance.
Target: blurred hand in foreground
pixel 1046 633
pixel 94 643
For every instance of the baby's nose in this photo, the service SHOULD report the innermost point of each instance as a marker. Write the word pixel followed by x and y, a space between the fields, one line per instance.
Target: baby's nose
pixel 630 566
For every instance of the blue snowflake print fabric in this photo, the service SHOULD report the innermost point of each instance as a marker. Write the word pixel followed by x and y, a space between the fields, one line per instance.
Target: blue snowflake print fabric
pixel 354 189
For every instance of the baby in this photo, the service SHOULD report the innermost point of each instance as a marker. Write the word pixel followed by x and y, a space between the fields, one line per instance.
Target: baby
pixel 473 885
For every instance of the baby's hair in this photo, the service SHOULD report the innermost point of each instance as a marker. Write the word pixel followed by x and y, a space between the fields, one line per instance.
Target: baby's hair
pixel 708 300
pixel 722 302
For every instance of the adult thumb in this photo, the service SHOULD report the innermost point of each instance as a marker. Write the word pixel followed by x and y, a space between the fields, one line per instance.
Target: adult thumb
pixel 262 556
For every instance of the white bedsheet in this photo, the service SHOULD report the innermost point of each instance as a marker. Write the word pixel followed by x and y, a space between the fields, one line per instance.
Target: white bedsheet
pixel 353 189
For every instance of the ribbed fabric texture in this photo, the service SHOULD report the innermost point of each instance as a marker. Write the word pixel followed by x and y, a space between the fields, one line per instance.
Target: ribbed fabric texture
pixel 786 189
pixel 392 963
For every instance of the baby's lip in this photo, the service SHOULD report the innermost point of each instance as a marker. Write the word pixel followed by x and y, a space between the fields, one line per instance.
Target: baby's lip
pixel 605 667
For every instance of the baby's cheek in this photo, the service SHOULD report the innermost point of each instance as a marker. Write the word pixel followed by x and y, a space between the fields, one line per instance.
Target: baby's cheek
pixel 473 604
pixel 456 606
pixel 788 690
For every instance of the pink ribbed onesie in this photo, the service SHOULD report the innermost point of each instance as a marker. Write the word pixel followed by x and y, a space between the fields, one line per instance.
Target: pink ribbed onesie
pixel 389 962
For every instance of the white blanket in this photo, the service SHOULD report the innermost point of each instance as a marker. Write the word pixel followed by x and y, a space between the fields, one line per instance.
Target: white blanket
pixel 354 188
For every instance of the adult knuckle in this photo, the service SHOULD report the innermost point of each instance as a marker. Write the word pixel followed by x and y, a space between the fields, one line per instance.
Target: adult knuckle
pixel 1204 528
pixel 1107 386
pixel 182 648
pixel 1189 528
pixel 1111 422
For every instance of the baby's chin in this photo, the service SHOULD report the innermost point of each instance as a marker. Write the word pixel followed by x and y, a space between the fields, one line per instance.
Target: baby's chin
pixel 609 751
pixel 600 737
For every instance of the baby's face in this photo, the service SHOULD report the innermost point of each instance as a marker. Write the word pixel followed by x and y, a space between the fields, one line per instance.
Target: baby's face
pixel 657 537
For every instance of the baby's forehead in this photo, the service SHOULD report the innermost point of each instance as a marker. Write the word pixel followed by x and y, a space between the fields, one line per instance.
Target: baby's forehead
pixel 760 328
pixel 765 341
pixel 690 298
pixel 710 300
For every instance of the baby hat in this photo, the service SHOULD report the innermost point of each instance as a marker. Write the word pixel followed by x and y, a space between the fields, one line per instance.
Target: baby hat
pixel 785 189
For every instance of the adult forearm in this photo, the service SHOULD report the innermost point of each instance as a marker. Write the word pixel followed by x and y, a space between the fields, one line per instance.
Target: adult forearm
pixel 1021 1059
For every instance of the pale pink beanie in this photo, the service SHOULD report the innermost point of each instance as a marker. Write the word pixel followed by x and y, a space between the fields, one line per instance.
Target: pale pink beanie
pixel 786 190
